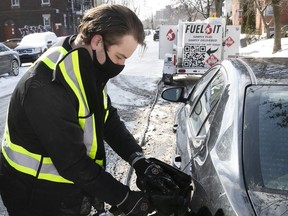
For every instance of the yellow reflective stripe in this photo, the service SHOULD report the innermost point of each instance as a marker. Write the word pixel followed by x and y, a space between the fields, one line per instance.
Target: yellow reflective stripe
pixel 46 160
pixel 106 116
pixel 51 50
pixel 54 178
pixel 105 105
pixel 104 100
pixel 81 111
pixel 49 63
pixel 75 61
pixel 100 162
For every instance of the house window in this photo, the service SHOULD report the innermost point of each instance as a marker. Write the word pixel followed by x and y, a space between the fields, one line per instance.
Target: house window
pixel 46 20
pixel 269 11
pixel 45 2
pixel 15 3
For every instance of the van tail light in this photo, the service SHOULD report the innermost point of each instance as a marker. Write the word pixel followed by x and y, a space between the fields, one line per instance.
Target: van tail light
pixel 174 59
pixel 181 71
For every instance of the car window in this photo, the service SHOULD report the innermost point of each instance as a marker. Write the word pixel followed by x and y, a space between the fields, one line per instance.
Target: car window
pixel 203 111
pixel 3 48
pixel 265 137
pixel 201 84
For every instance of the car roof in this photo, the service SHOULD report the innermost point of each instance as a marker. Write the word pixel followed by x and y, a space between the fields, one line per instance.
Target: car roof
pixel 265 71
pixel 40 34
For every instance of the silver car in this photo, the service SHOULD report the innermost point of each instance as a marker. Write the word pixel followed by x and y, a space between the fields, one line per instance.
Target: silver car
pixel 232 137
pixel 9 61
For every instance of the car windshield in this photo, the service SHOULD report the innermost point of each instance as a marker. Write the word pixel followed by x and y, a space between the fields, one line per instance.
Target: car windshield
pixel 266 138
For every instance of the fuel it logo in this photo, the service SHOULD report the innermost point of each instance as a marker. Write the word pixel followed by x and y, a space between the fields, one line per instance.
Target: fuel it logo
pixel 212 60
pixel 170 35
pixel 208 29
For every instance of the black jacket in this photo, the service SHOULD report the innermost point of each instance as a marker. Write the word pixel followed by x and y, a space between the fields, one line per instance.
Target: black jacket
pixel 43 119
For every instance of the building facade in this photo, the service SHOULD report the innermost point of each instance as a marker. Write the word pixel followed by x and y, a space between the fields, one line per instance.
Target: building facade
pixel 21 17
pixel 237 13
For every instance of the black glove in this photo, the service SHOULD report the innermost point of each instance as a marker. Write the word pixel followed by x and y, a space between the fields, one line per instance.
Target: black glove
pixel 167 205
pixel 180 201
pixel 135 204
pixel 152 179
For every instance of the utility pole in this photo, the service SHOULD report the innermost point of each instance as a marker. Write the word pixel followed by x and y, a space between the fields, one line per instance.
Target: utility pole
pixel 73 16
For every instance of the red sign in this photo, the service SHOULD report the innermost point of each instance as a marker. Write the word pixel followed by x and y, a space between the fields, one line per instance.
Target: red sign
pixel 212 60
pixel 170 35
pixel 229 41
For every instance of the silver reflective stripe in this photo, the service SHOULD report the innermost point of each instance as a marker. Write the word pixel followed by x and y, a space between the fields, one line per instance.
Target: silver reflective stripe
pixel 29 163
pixel 71 72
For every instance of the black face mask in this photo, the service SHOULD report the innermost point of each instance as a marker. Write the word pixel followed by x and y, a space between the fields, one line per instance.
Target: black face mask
pixel 109 68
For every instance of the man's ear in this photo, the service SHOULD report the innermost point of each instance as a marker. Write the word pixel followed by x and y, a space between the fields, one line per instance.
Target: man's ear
pixel 96 39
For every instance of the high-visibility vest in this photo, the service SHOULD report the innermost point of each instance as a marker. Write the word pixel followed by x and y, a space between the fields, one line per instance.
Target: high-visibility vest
pixel 35 164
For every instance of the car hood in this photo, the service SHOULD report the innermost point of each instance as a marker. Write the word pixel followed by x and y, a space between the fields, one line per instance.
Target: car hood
pixel 266 203
pixel 29 46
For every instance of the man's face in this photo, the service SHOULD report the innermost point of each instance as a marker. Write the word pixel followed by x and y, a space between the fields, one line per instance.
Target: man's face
pixel 119 53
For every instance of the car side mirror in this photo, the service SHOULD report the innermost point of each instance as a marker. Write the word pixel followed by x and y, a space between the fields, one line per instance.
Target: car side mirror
pixel 174 94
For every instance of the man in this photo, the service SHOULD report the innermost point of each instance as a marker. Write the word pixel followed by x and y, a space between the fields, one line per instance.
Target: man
pixel 53 156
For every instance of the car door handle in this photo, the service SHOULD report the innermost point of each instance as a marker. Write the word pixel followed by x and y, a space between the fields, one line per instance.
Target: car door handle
pixel 175 127
pixel 177 161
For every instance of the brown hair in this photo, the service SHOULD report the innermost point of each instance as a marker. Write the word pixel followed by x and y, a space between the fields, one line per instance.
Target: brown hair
pixel 112 21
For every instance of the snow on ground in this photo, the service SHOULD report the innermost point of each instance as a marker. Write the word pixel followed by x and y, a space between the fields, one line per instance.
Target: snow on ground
pixel 264 48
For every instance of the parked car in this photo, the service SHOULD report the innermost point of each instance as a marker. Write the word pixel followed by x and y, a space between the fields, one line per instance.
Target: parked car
pixel 147 32
pixel 9 61
pixel 33 45
pixel 231 137
pixel 284 31
pixel 12 43
pixel 156 35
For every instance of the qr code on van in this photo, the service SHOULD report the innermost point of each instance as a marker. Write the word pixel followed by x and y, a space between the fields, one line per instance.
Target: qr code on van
pixel 194 56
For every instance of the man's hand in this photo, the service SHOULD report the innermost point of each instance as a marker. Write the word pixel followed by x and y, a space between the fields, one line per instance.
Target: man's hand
pixel 168 188
pixel 152 179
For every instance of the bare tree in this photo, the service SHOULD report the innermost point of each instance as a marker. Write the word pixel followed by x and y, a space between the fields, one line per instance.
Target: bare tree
pixel 204 7
pixel 278 6
pixel 277 29
pixel 134 5
pixel 261 7
pixel 218 7
pixel 197 6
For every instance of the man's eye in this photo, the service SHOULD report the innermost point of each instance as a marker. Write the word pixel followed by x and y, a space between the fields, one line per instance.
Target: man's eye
pixel 118 57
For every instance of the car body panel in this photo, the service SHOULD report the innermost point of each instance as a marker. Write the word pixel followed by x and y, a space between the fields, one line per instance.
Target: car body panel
pixel 214 157
pixel 7 56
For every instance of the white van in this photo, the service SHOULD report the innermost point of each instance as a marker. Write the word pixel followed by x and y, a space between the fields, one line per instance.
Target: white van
pixel 33 45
